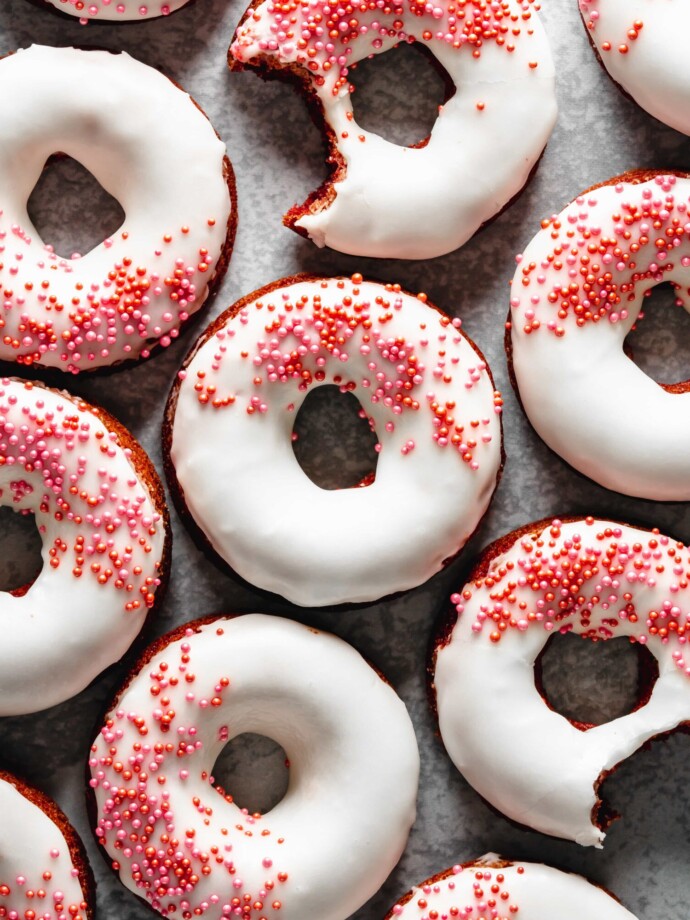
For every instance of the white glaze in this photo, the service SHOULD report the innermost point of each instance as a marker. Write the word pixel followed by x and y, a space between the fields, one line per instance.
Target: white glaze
pixel 523 757
pixel 537 892
pixel 153 150
pixel 66 629
pixel 354 768
pixel 654 69
pixel 584 396
pixel 417 203
pixel 265 517
pixel 117 10
pixel 31 844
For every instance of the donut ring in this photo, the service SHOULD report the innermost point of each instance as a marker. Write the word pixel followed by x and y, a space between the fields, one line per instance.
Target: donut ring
pixel 528 890
pixel 40 850
pixel 100 511
pixel 641 45
pixel 578 290
pixel 388 201
pixel 353 759
pixel 431 400
pixel 599 580
pixel 115 10
pixel 133 291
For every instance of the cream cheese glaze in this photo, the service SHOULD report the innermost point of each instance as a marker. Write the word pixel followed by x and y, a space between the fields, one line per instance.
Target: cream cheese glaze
pixel 599 580
pixel 163 163
pixel 642 45
pixel 36 857
pixel 401 202
pixel 117 10
pixel 98 507
pixel 188 849
pixel 578 289
pixel 433 406
pixel 492 887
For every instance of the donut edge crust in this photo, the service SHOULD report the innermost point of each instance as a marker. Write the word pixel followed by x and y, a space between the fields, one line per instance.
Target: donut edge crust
pixel 603 815
pixel 199 538
pixel 75 845
pixel 222 263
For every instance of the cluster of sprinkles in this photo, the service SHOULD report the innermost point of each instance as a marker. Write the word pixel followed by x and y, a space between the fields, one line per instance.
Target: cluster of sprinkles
pixel 592 273
pixel 128 9
pixel 26 898
pixel 124 314
pixel 142 763
pixel 310 341
pixel 621 44
pixel 490 898
pixel 48 451
pixel 591 578
pixel 321 34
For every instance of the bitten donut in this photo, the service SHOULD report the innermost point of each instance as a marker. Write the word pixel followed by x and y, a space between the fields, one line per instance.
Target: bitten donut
pixel 492 887
pixel 153 150
pixel 598 580
pixel 116 10
pixel 99 508
pixel 578 289
pixel 431 401
pixel 642 46
pixel 183 845
pixel 389 201
pixel 44 871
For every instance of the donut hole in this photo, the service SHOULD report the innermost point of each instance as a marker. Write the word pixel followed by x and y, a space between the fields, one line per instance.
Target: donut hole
pixel 398 93
pixel 659 341
pixel 71 210
pixel 333 441
pixel 21 561
pixel 253 771
pixel 591 683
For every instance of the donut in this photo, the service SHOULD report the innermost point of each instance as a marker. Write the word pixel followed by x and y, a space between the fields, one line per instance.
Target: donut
pixel 389 201
pixel 190 851
pixel 44 871
pixel 641 45
pixel 152 149
pixel 115 10
pixel 597 579
pixel 578 290
pixel 431 401
pixel 494 887
pixel 100 511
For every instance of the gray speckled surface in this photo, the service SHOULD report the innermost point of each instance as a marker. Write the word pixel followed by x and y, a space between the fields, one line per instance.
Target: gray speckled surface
pixel 277 155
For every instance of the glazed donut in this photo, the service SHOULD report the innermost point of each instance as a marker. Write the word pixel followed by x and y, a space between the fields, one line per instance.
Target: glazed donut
pixel 44 871
pixel 578 290
pixel 342 826
pixel 100 511
pixel 389 201
pixel 599 580
pixel 493 887
pixel 642 46
pixel 150 147
pixel 116 10
pixel 431 401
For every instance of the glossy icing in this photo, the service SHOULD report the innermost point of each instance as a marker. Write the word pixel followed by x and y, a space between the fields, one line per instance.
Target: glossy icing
pixel 433 407
pixel 153 150
pixel 343 823
pixel 403 202
pixel 642 45
pixel 103 545
pixel 496 889
pixel 38 876
pixel 578 289
pixel 597 579
pixel 117 10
